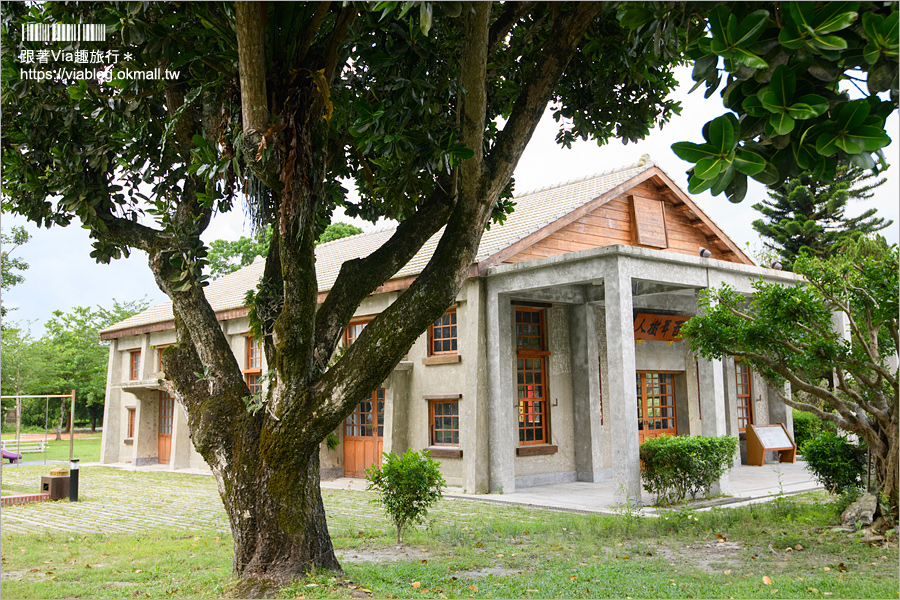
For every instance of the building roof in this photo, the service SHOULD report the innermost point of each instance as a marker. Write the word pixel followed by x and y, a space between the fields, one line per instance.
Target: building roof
pixel 533 211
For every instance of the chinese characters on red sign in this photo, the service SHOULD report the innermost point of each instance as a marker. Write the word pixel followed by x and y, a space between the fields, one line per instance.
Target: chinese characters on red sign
pixel 664 328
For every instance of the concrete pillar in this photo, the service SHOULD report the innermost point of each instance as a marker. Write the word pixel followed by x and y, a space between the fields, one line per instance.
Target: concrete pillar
pixel 502 393
pixel 731 416
pixel 396 410
pixel 111 438
pixel 712 403
pixel 622 400
pixel 474 406
pixel 146 428
pixel 180 457
pixel 585 391
pixel 148 360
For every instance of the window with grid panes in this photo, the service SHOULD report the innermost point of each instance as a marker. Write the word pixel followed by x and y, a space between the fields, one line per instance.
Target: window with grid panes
pixel 744 395
pixel 531 376
pixel 130 422
pixel 253 372
pixel 353 331
pixel 368 418
pixel 444 423
pixel 166 412
pixel 442 334
pixel 135 365
pixel 655 405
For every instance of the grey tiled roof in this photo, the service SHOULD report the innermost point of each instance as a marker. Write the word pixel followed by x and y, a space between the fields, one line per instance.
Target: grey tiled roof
pixel 534 210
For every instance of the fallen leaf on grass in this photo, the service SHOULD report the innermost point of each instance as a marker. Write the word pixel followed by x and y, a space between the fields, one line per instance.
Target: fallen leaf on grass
pixel 766 580
pixel 572 577
pixel 416 584
pixel 813 590
pixel 728 571
pixel 798 547
pixel 826 568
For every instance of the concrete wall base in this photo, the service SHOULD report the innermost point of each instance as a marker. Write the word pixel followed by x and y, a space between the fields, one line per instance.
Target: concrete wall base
pixel 595 476
pixel 143 461
pixel 546 479
pixel 332 473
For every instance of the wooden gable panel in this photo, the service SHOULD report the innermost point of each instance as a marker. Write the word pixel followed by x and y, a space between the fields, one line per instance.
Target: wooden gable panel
pixel 605 226
pixel 670 228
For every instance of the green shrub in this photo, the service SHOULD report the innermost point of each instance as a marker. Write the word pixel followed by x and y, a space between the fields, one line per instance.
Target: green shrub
pixel 807 426
pixel 407 486
pixel 675 467
pixel 837 463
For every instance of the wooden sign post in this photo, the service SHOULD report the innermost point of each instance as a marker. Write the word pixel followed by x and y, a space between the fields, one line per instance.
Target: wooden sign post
pixel 765 438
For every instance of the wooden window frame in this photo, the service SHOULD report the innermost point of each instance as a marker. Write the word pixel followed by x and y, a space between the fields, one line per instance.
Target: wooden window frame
pixel 169 419
pixel 359 322
pixel 132 412
pixel 159 350
pixel 539 354
pixel 433 429
pixel 452 327
pixel 641 398
pixel 738 375
pixel 252 373
pixel 134 365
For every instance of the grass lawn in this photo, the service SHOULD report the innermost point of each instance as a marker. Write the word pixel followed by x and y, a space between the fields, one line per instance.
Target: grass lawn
pixel 788 548
pixel 86 449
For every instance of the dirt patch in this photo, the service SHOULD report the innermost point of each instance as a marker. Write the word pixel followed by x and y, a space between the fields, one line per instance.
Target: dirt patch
pixel 380 555
pixel 704 556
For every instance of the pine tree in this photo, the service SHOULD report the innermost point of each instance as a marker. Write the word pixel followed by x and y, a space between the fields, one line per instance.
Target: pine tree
pixel 806 213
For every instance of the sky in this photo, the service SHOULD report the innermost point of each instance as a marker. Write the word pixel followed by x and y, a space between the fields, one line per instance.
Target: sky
pixel 61 274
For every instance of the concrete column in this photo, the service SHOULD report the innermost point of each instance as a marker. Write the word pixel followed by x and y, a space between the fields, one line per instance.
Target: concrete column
pixel 148 360
pixel 712 403
pixel 146 428
pixel 396 410
pixel 474 406
pixel 622 400
pixel 180 457
pixel 502 392
pixel 111 438
pixel 585 391
pixel 731 417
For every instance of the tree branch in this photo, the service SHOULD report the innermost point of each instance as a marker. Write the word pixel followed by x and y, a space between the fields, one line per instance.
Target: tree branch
pixel 310 31
pixel 565 36
pixel 512 12
pixel 362 276
pixel 250 27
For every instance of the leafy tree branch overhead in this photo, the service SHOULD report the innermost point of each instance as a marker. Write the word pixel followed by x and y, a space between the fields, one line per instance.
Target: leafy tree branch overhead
pixel 808 86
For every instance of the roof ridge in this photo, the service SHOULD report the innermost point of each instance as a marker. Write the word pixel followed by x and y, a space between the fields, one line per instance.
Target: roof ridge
pixel 643 162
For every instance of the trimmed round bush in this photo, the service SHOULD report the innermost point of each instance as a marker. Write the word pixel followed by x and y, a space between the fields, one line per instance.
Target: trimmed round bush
pixel 675 467
pixel 837 463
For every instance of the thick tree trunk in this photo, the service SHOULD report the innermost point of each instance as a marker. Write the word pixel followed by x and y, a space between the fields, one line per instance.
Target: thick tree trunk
pixel 277 519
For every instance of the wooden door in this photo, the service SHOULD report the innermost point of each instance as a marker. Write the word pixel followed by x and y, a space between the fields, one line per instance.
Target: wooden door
pixel 655 405
pixel 364 435
pixel 166 415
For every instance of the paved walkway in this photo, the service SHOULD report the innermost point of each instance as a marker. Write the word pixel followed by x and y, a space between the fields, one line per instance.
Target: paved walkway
pixel 746 484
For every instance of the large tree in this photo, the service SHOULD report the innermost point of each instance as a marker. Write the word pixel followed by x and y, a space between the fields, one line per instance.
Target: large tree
pixel 806 213
pixel 281 100
pixel 788 334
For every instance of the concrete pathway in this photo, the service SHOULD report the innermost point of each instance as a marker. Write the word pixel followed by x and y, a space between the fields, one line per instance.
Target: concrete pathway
pixel 746 484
